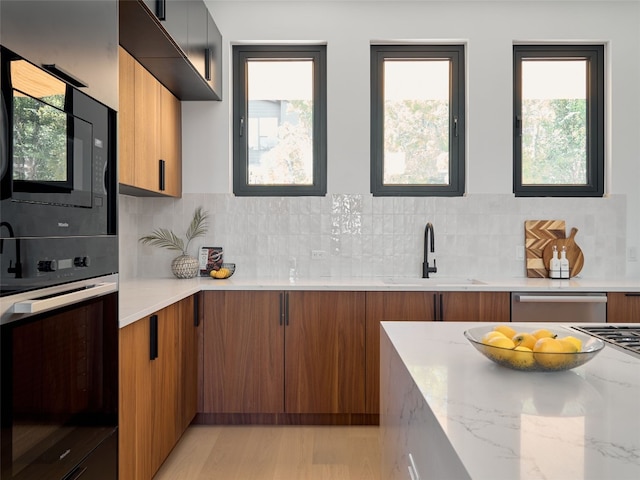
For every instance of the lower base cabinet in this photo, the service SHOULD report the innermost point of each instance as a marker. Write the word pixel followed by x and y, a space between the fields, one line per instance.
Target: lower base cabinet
pixel 283 357
pixel 158 387
pixel 623 307
pixel 448 306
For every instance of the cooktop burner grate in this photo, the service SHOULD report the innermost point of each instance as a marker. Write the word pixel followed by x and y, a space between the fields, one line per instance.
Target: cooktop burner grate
pixel 626 337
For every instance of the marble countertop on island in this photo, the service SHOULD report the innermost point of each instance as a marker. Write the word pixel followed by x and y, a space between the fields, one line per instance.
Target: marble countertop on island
pixel 460 415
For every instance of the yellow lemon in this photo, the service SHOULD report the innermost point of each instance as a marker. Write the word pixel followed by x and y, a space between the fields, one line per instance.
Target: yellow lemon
pixel 574 341
pixel 522 358
pixel 524 339
pixel 489 335
pixel 543 333
pixel 551 353
pixel 505 348
pixel 506 329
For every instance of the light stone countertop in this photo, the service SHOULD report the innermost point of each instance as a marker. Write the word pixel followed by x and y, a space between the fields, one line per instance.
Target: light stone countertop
pixel 143 296
pixel 461 416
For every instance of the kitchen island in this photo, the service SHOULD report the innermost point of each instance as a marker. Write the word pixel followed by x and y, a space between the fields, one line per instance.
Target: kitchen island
pixel 447 412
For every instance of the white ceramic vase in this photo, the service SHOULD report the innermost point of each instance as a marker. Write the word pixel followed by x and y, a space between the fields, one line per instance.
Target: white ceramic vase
pixel 185 266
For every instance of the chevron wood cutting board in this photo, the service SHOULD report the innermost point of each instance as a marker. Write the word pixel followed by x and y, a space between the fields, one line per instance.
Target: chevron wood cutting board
pixel 537 234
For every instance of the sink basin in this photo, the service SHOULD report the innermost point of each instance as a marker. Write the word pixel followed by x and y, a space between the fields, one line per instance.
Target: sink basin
pixel 433 282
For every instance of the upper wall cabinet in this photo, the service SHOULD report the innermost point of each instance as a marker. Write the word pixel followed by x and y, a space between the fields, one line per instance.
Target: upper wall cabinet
pixel 178 42
pixel 80 38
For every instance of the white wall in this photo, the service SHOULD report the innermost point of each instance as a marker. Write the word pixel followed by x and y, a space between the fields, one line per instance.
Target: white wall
pixel 489 30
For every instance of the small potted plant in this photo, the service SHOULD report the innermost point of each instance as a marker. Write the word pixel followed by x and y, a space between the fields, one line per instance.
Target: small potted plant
pixel 184 265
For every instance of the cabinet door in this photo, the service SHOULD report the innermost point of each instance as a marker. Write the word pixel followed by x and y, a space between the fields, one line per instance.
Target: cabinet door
pixel 243 352
pixel 136 402
pixel 171 142
pixel 324 345
pixel 390 306
pixel 126 119
pixel 188 363
pixel 475 306
pixel 196 51
pixel 623 307
pixel 80 38
pixel 147 130
pixel 149 393
pixel 213 74
pixel 165 394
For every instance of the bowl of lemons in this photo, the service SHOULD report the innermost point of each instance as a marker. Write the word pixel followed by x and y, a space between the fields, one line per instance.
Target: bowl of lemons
pixel 225 271
pixel 537 348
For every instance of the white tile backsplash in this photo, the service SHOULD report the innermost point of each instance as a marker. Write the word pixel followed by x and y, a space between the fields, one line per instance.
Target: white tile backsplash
pixel 475 236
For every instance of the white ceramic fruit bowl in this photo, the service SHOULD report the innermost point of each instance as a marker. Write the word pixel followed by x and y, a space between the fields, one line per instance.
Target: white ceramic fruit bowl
pixel 536 361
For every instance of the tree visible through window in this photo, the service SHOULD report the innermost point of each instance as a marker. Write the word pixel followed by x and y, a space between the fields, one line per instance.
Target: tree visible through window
pixel 280 120
pixel 417 129
pixel 558 145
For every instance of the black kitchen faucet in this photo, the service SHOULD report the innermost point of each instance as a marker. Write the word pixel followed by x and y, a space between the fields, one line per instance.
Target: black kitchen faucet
pixel 428 240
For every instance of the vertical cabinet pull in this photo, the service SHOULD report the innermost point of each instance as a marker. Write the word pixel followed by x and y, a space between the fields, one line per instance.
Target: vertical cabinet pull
pixel 162 175
pixel 435 308
pixel 161 9
pixel 441 308
pixel 196 309
pixel 153 337
pixel 284 308
pixel 207 64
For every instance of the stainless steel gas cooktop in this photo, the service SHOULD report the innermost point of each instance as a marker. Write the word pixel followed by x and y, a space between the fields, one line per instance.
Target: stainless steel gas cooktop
pixel 623 337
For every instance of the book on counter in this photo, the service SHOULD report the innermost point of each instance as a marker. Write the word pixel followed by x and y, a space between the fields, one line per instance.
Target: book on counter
pixel 210 259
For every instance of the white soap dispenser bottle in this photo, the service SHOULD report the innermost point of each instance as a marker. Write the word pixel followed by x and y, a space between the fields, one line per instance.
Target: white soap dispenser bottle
pixel 564 263
pixel 554 264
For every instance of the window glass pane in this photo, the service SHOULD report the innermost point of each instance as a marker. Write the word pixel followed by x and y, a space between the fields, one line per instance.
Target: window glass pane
pixel 416 122
pixel 280 123
pixel 554 122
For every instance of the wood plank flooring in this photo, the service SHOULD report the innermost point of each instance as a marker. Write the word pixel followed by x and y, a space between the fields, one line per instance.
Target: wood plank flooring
pixel 275 453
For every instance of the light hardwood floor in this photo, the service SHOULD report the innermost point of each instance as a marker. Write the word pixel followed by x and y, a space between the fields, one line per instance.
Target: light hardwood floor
pixel 275 453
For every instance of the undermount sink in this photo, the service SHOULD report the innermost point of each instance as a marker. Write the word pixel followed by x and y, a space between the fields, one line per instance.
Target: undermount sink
pixel 434 281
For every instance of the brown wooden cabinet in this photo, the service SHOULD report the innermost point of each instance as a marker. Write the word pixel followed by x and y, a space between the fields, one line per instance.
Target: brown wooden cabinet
pixel 158 387
pixel 273 352
pixel 423 306
pixel 243 350
pixel 150 133
pixel 389 306
pixel 325 352
pixel 475 306
pixel 623 307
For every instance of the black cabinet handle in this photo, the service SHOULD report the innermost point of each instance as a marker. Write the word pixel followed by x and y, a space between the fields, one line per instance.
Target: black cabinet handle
pixel 632 294
pixel 441 308
pixel 281 320
pixel 153 337
pixel 196 309
pixel 435 306
pixel 207 64
pixel 286 308
pixel 161 9
pixel 162 185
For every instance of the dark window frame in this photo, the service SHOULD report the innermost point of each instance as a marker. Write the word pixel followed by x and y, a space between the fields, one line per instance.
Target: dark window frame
pixel 594 54
pixel 457 130
pixel 243 53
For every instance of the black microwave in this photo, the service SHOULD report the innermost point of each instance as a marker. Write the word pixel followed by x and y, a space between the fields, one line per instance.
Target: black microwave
pixel 58 165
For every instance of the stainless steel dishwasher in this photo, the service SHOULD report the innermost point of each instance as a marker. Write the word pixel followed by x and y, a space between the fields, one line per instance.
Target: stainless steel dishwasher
pixel 574 307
